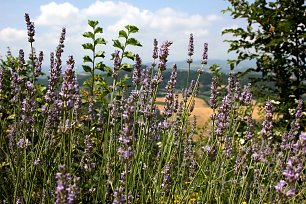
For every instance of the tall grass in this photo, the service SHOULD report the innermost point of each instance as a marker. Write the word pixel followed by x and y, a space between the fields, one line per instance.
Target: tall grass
pixel 108 143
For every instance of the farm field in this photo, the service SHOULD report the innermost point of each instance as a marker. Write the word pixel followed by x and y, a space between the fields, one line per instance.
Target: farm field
pixel 202 111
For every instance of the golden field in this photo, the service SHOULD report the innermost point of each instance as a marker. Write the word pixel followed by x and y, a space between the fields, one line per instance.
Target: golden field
pixel 202 111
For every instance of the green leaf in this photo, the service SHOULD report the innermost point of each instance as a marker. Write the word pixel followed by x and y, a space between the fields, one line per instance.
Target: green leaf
pixel 133 41
pixel 132 29
pixel 108 70
pixel 88 46
pixel 89 35
pixel 42 88
pixel 93 23
pixel 118 44
pixel 126 67
pixel 99 41
pixel 123 34
pixel 129 55
pixel 86 68
pixel 86 58
pixel 100 66
pixel 100 54
pixel 122 81
pixel 98 30
pixel 11 117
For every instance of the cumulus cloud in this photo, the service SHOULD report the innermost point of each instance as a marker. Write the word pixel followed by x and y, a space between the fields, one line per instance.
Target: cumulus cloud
pixel 164 24
pixel 12 35
pixel 110 8
pixel 164 19
pixel 58 14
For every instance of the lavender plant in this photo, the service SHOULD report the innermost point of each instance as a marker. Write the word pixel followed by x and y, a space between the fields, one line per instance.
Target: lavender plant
pixel 121 146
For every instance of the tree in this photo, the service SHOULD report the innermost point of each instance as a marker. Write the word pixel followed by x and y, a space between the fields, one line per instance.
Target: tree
pixel 275 37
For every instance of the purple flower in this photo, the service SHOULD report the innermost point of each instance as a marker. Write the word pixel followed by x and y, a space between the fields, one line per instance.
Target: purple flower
pixel 231 84
pixel 59 49
pixel 155 49
pixel 163 54
pixel 127 137
pixel 136 72
pixel 117 64
pixel 249 134
pixel 62 185
pixel 15 87
pixel 12 136
pixel 120 197
pixel 87 162
pixel 205 54
pixel 36 162
pixel 53 120
pixel 73 190
pixel 67 188
pixel 280 186
pixel 237 91
pixel 30 28
pixel 18 201
pixel 55 69
pixel 191 88
pixel 164 125
pixel 91 110
pixel 213 102
pixel 166 185
pixel 21 61
pixel 28 105
pixel 23 143
pixel 303 138
pixel 267 126
pixel 222 118
pixel 290 193
pixel 38 63
pixel 295 165
pixel 70 89
pixel 246 95
pixel 169 99
pixel 190 48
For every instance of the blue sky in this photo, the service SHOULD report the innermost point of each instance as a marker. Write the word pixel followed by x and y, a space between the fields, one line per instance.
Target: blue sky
pixel 161 19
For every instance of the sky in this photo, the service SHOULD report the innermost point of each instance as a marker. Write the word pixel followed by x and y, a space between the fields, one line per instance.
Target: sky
pixel 161 19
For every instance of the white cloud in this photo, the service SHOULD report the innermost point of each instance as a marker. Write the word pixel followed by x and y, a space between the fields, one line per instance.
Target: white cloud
pixel 109 8
pixel 12 35
pixel 58 15
pixel 163 24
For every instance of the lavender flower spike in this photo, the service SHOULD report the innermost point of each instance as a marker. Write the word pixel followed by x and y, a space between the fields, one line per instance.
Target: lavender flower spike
pixel 30 28
pixel 155 50
pixel 67 188
pixel 163 54
pixel 267 125
pixel 116 64
pixel 87 161
pixel 27 106
pixel 69 90
pixel 190 48
pixel 205 54
pixel 213 102
pixel 169 99
pixel 166 185
pixel 136 72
